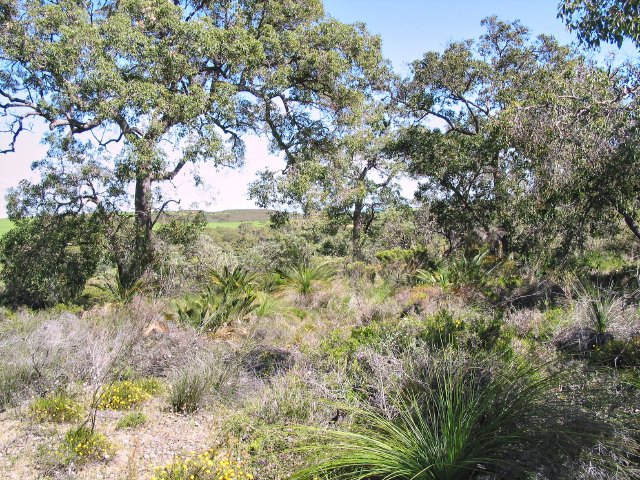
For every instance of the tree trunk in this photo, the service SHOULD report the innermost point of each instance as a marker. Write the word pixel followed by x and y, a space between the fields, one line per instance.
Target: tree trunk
pixel 143 205
pixel 134 263
pixel 630 221
pixel 356 232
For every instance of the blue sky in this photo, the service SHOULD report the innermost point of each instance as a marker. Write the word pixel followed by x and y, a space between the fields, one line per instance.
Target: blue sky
pixel 408 29
pixel 411 27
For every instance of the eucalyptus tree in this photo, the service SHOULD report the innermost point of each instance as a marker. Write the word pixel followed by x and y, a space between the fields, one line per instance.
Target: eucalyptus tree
pixel 598 21
pixel 171 84
pixel 523 142
pixel 351 180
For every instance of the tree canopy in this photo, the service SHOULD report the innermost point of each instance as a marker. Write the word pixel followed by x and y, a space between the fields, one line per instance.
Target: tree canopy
pixel 172 83
pixel 596 21
pixel 522 142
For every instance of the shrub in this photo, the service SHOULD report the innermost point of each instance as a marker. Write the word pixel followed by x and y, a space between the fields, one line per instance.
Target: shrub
pixel 182 229
pixel 47 260
pixel 188 391
pixel 83 445
pixel 191 385
pixel 58 408
pixel 126 394
pixel 14 382
pixel 458 272
pixel 266 361
pixel 441 329
pixel 115 291
pixel 617 354
pixel 436 331
pixel 397 263
pixel 208 465
pixel 600 307
pixel 131 420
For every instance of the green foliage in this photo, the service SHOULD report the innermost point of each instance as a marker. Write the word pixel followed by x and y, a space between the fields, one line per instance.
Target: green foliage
pixel 182 231
pixel 597 21
pixel 188 390
pixel 232 294
pixel 301 278
pixel 58 408
pixel 458 272
pixel 117 291
pixel 496 173
pixel 403 261
pixel 47 260
pixel 440 330
pixel 603 306
pixel 340 181
pixel 132 420
pixel 172 109
pixel 83 445
pixel 267 305
pixel 618 354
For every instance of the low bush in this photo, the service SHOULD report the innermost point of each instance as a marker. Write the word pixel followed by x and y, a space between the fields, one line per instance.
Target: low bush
pixel 14 383
pixel 301 278
pixel 188 391
pixel 57 408
pixel 617 354
pixel 131 420
pixel 232 295
pixel 47 260
pixel 126 394
pixel 209 465
pixel 83 445
pixel 192 385
pixel 440 330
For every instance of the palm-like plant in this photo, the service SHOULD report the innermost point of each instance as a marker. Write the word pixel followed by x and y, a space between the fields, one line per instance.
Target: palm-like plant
pixel 301 278
pixel 462 422
pixel 457 272
pixel 232 294
pixel 602 307
pixel 117 292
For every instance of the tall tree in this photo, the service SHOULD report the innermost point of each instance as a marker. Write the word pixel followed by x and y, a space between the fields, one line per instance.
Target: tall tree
pixel 173 83
pixel 522 142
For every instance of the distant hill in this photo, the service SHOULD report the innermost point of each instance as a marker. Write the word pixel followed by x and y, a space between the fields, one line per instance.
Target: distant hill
pixel 242 215
pixel 251 215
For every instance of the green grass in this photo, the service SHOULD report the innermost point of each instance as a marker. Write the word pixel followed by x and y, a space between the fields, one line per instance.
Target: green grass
pixel 5 226
pixel 255 223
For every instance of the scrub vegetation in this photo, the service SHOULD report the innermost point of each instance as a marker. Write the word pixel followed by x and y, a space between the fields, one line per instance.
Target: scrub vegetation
pixel 487 329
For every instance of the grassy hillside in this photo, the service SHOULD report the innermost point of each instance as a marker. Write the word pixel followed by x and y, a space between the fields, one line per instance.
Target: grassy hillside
pixel 222 219
pixel 224 224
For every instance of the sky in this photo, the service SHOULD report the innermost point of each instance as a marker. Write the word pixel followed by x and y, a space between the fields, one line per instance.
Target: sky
pixel 408 29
